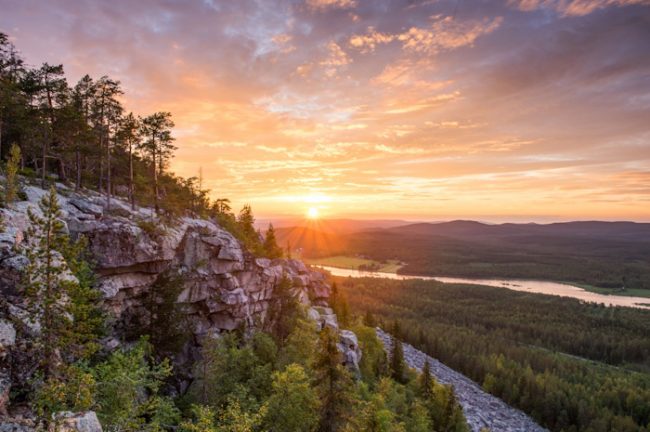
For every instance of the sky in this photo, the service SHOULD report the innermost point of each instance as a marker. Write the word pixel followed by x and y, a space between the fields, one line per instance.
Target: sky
pixel 513 110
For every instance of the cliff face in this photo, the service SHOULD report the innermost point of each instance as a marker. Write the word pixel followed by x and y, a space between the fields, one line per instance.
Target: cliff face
pixel 224 286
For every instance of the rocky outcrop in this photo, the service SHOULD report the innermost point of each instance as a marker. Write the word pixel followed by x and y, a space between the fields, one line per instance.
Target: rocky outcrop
pixel 223 287
pixel 481 409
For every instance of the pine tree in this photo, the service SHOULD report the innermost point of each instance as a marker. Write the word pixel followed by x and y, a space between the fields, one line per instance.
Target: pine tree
pixel 369 320
pixel 334 385
pixel 246 229
pixel 13 164
pixel 157 145
pixel 58 290
pixel 397 365
pixel 284 310
pixel 426 383
pixel 46 284
pixel 106 112
pixel 293 404
pixel 129 136
pixel 82 98
pixel 270 246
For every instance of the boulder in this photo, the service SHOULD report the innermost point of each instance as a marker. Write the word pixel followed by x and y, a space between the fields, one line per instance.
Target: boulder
pixel 16 425
pixel 76 422
pixel 349 346
pixel 87 207
pixel 5 387
pixel 7 335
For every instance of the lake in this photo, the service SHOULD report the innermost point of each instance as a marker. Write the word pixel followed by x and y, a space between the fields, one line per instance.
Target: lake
pixel 533 286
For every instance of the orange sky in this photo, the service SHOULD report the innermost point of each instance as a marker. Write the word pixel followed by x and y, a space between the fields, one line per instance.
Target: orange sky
pixel 502 110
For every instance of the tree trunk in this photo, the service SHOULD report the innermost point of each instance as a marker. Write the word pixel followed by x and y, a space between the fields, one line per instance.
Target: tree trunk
pixel 44 163
pixel 63 177
pixel 155 176
pixel 0 136
pixel 131 191
pixel 101 161
pixel 108 168
pixel 77 184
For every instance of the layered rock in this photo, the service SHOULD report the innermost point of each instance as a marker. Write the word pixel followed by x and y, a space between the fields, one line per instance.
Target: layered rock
pixel 224 287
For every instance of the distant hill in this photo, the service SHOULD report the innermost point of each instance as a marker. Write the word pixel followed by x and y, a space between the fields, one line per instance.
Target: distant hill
pixel 604 254
pixel 594 229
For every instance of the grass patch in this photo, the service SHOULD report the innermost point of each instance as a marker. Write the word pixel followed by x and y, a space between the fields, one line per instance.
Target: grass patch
pixel 628 292
pixel 352 262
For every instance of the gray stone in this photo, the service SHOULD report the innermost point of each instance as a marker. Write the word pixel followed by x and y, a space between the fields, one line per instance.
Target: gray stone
pixel 87 207
pixel 481 409
pixel 15 425
pixel 7 334
pixel 77 422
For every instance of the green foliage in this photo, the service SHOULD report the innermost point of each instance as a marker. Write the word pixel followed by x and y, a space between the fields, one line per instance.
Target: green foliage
pixel 246 232
pixel 334 384
pixel 300 346
pixel 270 245
pixel 604 260
pixel 11 174
pixel 231 369
pixel 516 344
pixel 397 365
pixel 339 305
pixel 374 362
pixel 128 391
pixel 293 404
pixel 73 389
pixel 162 319
pixel 284 310
pixel 203 420
pixel 59 290
pixel 152 228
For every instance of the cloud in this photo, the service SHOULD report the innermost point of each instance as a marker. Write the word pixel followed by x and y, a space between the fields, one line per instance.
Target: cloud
pixel 445 33
pixel 573 7
pixel 331 4
pixel 379 102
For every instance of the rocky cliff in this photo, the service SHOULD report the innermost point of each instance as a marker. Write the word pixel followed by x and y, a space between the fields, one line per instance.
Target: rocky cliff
pixel 224 287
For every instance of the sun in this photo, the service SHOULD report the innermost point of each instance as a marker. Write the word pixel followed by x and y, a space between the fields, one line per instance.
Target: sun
pixel 312 213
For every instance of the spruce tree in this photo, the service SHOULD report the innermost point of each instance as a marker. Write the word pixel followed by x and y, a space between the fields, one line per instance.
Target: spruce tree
pixel 271 248
pixel 246 229
pixel 158 147
pixel 426 383
pixel 59 292
pixel 11 174
pixel 334 385
pixel 397 365
pixel 46 282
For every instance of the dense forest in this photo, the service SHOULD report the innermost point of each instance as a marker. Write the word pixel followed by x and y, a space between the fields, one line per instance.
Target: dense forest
pixel 603 262
pixel 571 366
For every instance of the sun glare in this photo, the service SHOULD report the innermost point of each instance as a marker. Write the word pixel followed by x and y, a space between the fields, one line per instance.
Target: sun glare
pixel 312 213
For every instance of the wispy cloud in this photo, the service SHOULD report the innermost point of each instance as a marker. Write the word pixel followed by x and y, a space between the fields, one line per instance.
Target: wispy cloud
pixel 390 107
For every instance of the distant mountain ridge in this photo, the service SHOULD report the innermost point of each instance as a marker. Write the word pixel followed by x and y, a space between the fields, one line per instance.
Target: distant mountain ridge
pixel 331 237
pixel 595 229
